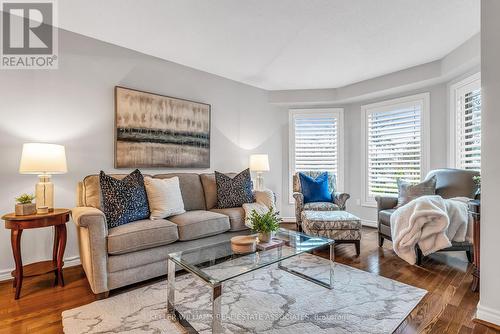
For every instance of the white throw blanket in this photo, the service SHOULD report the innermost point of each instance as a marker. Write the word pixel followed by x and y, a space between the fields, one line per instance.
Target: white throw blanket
pixel 264 200
pixel 431 222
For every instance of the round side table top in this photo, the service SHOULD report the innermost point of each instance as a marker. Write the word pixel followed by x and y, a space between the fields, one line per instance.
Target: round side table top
pixel 56 212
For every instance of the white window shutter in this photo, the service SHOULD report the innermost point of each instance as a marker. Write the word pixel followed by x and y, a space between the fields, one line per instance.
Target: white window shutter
pixel 468 126
pixel 316 142
pixel 393 148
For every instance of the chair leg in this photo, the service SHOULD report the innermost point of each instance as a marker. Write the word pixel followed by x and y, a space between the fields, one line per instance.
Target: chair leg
pixel 470 257
pixel 357 244
pixel 419 256
pixel 380 240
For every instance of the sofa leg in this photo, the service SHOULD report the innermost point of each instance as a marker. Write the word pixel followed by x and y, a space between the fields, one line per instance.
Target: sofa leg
pixel 380 240
pixel 469 256
pixel 102 295
pixel 357 244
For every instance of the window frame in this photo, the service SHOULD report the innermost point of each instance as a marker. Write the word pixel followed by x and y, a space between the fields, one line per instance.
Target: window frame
pixel 452 115
pixel 424 100
pixel 338 113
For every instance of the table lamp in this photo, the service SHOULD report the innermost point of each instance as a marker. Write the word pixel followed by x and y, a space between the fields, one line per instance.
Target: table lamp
pixel 44 160
pixel 259 163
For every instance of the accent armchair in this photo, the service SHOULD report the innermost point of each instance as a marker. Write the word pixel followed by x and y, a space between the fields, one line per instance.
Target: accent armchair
pixel 450 183
pixel 338 199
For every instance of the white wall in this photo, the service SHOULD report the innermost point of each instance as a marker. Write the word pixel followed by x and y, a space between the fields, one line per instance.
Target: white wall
pixel 489 304
pixel 73 106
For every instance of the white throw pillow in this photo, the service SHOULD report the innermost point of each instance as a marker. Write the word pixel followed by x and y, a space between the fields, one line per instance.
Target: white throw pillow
pixel 164 196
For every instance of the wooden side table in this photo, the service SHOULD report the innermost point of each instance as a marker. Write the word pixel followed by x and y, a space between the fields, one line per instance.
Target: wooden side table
pixel 17 224
pixel 475 210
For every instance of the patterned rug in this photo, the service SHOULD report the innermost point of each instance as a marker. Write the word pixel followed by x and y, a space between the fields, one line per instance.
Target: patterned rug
pixel 268 300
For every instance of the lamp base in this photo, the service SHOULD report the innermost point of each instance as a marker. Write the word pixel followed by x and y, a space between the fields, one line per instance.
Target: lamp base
pixel 44 192
pixel 259 181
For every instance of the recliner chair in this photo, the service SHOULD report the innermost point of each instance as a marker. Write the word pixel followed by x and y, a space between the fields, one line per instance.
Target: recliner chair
pixel 450 183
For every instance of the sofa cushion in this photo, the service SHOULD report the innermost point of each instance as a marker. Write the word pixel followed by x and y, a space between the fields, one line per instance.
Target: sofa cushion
pixel 384 216
pixel 142 234
pixel 234 192
pixel 164 197
pixel 124 201
pixel 210 188
pixel 199 223
pixel 191 189
pixel 91 190
pixel 236 217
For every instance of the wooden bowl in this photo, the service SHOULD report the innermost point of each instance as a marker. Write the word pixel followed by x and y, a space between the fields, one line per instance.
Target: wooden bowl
pixel 244 244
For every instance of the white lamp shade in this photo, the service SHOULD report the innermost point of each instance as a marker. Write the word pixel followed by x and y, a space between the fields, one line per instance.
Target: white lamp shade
pixel 259 162
pixel 43 159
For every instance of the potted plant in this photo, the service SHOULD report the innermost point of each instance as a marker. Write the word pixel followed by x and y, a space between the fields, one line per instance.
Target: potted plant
pixel 24 205
pixel 265 224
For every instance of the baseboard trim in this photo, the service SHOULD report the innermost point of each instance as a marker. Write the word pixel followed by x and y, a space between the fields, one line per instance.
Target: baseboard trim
pixel 488 315
pixel 369 223
pixel 288 219
pixel 68 262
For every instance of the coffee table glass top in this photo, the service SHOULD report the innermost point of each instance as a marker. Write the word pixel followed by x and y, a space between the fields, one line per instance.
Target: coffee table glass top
pixel 217 263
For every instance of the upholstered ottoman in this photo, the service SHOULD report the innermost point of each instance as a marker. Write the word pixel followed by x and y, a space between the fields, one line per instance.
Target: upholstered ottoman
pixel 341 226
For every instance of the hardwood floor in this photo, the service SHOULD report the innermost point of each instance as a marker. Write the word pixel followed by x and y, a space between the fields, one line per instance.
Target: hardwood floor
pixel 449 306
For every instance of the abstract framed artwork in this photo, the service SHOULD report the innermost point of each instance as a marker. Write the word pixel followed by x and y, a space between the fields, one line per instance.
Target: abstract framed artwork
pixel 156 131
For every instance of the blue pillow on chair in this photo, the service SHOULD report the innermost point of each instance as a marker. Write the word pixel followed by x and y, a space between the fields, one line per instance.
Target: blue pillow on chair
pixel 315 190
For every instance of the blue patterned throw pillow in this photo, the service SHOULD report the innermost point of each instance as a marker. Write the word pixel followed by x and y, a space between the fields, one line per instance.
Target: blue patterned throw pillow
pixel 125 200
pixel 234 192
pixel 315 190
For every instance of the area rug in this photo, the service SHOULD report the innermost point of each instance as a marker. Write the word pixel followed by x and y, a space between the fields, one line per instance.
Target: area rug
pixel 268 300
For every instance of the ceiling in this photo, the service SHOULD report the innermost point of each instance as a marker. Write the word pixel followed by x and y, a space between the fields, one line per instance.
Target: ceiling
pixel 281 44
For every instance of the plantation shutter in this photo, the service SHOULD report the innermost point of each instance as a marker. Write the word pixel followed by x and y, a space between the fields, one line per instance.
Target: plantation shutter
pixel 468 121
pixel 394 147
pixel 316 143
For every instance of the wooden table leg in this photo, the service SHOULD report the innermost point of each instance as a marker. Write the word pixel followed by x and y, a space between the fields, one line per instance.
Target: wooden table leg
pixel 15 239
pixel 54 252
pixel 61 245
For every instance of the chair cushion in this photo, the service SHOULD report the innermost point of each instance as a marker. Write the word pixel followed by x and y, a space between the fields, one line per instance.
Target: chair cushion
pixel 384 216
pixel 321 206
pixel 236 217
pixel 315 189
pixel 408 191
pixel 199 223
pixel 141 234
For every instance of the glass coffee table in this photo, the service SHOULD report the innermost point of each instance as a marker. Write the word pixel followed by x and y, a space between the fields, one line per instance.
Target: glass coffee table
pixel 214 264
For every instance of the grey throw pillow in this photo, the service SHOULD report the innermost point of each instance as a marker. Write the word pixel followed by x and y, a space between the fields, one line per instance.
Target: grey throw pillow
pixel 234 192
pixel 407 191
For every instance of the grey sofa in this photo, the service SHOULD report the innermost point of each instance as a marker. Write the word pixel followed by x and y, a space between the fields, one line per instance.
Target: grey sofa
pixel 137 251
pixel 338 199
pixel 450 183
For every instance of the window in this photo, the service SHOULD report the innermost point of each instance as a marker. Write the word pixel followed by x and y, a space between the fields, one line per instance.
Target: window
pixel 465 124
pixel 316 142
pixel 395 144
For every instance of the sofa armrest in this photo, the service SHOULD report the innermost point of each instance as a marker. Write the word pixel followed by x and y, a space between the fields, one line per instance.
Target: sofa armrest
pixel 92 238
pixel 340 199
pixel 386 202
